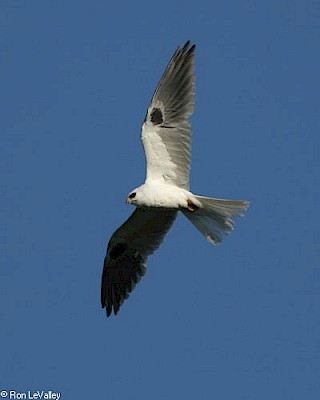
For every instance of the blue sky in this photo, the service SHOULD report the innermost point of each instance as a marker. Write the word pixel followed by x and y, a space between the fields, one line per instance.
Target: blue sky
pixel 240 320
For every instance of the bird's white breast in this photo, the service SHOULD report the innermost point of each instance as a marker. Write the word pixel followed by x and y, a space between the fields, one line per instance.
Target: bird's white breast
pixel 158 194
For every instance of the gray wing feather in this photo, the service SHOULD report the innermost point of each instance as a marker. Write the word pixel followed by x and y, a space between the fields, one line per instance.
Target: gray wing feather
pixel 127 253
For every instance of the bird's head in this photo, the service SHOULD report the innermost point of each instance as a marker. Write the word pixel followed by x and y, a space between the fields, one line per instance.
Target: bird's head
pixel 132 197
pixel 138 196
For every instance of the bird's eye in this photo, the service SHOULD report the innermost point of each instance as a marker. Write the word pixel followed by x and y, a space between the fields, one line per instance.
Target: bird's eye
pixel 132 195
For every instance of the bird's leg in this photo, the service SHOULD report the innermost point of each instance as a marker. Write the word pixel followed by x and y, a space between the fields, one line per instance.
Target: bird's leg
pixel 192 206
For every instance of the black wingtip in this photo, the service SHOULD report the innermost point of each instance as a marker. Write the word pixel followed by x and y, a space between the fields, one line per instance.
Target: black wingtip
pixel 192 49
pixel 186 48
pixel 109 310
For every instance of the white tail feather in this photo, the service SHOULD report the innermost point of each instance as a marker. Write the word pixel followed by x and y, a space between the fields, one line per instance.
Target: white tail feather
pixel 213 218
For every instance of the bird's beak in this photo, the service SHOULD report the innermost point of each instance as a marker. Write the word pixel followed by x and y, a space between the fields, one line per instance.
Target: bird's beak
pixel 128 201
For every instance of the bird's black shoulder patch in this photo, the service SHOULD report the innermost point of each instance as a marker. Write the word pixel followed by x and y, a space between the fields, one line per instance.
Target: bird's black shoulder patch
pixel 156 116
pixel 118 249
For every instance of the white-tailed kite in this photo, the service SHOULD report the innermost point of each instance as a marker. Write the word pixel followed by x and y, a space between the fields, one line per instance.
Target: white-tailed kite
pixel 166 138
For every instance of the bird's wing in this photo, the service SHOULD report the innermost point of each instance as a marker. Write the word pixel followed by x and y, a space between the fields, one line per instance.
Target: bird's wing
pixel 166 131
pixel 127 253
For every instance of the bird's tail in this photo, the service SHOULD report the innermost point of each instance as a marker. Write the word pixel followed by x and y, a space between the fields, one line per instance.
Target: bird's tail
pixel 213 217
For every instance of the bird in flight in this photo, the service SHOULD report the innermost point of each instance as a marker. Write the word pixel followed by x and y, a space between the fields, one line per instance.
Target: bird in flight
pixel 166 138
